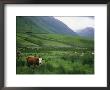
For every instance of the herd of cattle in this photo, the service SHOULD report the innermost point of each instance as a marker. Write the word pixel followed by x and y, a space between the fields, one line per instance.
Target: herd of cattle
pixel 31 60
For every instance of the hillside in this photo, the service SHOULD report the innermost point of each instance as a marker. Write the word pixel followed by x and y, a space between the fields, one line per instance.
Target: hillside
pixel 47 32
pixel 86 32
pixel 61 49
pixel 41 24
pixel 52 40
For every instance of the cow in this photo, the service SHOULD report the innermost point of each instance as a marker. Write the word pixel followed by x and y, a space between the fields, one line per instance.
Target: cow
pixel 33 60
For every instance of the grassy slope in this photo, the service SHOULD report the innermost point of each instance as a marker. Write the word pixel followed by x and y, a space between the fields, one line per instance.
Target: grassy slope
pixel 53 40
pixel 25 25
pixel 56 60
pixel 62 53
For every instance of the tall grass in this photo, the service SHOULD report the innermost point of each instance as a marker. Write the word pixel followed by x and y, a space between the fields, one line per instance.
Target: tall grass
pixel 58 62
pixel 61 54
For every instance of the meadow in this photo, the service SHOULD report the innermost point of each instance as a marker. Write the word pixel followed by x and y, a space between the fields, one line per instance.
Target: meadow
pixel 62 54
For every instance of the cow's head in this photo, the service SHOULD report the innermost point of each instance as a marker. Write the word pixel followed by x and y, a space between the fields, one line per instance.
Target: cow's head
pixel 40 60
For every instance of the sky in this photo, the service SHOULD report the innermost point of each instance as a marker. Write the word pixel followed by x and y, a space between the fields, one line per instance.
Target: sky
pixel 77 22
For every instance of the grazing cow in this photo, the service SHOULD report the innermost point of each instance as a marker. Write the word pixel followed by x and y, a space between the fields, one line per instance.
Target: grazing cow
pixel 33 60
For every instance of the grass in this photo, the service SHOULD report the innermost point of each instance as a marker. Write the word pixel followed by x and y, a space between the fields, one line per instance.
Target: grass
pixel 62 54
pixel 58 62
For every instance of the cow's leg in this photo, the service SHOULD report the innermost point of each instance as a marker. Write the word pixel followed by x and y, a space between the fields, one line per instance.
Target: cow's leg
pixel 34 65
pixel 37 64
pixel 28 64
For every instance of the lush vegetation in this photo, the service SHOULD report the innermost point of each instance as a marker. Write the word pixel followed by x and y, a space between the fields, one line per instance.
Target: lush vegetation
pixel 62 54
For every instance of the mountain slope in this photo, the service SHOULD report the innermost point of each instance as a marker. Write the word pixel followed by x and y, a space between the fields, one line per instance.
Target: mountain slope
pixel 86 32
pixel 42 24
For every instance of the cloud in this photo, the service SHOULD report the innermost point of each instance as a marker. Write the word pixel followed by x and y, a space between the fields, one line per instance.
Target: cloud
pixel 77 22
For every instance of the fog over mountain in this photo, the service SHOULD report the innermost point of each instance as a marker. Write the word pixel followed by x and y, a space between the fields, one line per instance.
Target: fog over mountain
pixel 77 22
pixel 86 32
pixel 49 24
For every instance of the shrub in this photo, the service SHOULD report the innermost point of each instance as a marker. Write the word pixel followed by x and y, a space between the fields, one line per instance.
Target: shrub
pixel 20 62
pixel 24 70
pixel 61 69
pixel 87 59
pixel 71 58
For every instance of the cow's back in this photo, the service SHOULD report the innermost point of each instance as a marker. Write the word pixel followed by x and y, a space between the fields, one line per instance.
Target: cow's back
pixel 32 60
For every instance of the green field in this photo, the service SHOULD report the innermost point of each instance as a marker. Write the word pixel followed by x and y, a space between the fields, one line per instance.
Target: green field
pixel 62 54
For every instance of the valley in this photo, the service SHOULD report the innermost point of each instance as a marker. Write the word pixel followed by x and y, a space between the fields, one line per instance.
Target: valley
pixel 63 52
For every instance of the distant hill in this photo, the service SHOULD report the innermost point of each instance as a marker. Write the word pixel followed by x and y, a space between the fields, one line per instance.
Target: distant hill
pixel 86 32
pixel 47 33
pixel 42 24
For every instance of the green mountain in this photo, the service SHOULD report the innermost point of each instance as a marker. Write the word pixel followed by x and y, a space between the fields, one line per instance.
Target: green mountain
pixel 62 50
pixel 47 32
pixel 42 24
pixel 87 32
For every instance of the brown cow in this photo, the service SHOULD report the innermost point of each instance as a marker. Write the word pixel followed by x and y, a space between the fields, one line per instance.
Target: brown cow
pixel 33 60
